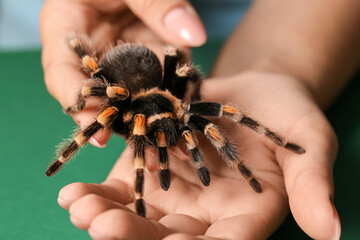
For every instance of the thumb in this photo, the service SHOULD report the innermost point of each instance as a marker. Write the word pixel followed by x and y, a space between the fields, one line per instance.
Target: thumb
pixel 174 21
pixel 62 74
pixel 309 181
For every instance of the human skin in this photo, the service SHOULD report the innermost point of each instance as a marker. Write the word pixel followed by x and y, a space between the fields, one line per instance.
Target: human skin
pixel 282 73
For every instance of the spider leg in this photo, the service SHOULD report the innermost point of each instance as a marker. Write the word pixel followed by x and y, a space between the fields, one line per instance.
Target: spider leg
pixel 164 127
pixel 215 136
pixel 184 76
pixel 191 144
pixel 98 88
pixel 218 110
pixel 171 59
pixel 139 140
pixel 176 78
pixel 81 138
pixel 224 148
pixel 164 173
pixel 88 60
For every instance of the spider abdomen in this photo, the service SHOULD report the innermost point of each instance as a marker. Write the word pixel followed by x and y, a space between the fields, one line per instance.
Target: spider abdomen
pixel 136 66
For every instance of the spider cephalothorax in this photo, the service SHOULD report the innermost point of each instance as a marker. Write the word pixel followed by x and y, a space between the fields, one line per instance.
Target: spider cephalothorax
pixel 144 105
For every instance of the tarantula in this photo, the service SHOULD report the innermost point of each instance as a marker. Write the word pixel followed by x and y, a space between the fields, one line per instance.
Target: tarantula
pixel 144 105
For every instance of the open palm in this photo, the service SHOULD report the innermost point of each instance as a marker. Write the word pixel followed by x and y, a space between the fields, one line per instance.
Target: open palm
pixel 228 208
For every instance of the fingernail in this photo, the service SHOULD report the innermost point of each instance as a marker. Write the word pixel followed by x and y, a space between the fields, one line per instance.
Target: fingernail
pixel 96 236
pixel 95 143
pixel 337 231
pixel 76 221
pixel 62 202
pixel 183 24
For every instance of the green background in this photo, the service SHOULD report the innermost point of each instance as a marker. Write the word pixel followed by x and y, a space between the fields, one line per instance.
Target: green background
pixel 32 124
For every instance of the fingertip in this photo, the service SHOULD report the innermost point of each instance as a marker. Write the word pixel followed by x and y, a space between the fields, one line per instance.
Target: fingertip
pixel 95 143
pixel 184 24
pixel 100 138
pixel 103 136
pixel 175 21
pixel 317 216
pixel 86 208
pixel 79 223
pixel 63 203
pixel 120 224
pixel 72 192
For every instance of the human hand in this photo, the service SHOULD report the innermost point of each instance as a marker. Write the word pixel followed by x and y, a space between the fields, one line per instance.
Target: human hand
pixel 105 22
pixel 228 208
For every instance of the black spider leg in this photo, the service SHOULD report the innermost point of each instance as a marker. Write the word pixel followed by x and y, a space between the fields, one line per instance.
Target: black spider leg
pixel 164 173
pixel 139 141
pixel 88 59
pixel 176 78
pixel 198 161
pixel 217 110
pixel 81 138
pixel 171 59
pixel 224 148
pixel 186 79
pixel 165 132
pixel 99 88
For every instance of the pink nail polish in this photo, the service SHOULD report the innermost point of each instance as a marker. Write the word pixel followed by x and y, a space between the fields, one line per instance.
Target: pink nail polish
pixel 183 24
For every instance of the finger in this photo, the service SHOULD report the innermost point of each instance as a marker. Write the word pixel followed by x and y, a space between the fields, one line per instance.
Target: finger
pixel 309 180
pixel 175 21
pixel 88 207
pixel 112 189
pixel 62 73
pixel 86 117
pixel 120 224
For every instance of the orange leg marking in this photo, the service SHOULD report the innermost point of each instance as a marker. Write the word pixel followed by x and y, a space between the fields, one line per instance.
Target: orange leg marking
pixel 90 63
pixel 229 109
pixel 216 135
pixel 103 118
pixel 139 125
pixel 190 142
pixel 161 139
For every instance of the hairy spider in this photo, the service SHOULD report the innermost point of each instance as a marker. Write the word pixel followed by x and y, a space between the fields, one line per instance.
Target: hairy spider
pixel 143 105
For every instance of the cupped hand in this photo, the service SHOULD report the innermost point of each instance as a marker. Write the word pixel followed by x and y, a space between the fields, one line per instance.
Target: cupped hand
pixel 107 21
pixel 228 208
